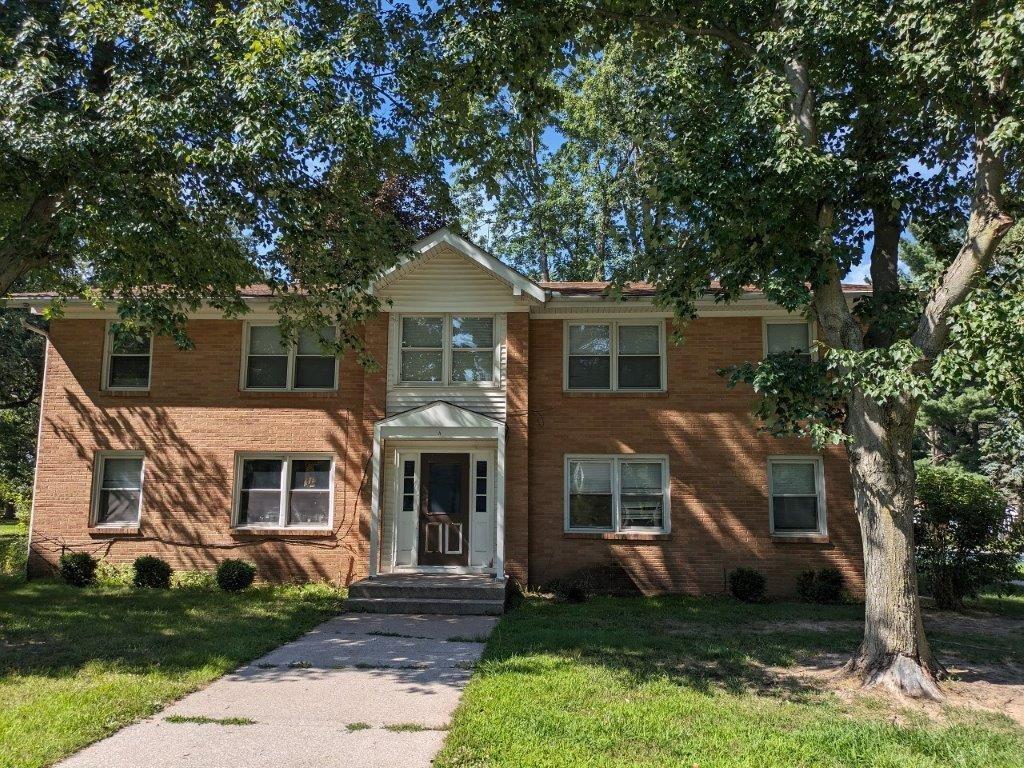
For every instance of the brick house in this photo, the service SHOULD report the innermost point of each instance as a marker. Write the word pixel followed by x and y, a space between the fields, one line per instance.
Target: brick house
pixel 512 428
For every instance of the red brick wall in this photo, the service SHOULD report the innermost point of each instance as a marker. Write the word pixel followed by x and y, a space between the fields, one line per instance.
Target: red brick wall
pixel 190 425
pixel 517 466
pixel 717 463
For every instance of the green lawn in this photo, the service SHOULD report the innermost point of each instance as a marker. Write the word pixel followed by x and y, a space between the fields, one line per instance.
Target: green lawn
pixel 682 682
pixel 77 664
pixel 12 528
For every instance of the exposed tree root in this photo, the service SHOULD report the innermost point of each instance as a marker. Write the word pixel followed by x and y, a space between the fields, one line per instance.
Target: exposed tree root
pixel 900 674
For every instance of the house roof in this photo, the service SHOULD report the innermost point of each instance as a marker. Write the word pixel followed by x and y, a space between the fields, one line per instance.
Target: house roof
pixel 517 281
pixel 598 287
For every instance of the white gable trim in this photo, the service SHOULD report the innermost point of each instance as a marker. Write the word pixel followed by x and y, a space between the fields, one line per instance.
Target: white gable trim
pixel 519 283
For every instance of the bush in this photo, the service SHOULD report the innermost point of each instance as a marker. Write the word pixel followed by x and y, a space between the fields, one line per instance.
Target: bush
pixel 579 586
pixel 77 568
pixel 235 575
pixel 192 580
pixel 747 585
pixel 15 502
pixel 825 586
pixel 13 557
pixel 152 572
pixel 114 574
pixel 967 538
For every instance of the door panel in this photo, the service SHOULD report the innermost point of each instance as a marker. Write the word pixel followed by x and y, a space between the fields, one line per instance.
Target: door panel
pixel 444 509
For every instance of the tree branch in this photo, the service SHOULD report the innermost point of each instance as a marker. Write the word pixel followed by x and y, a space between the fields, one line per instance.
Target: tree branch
pixel 987 225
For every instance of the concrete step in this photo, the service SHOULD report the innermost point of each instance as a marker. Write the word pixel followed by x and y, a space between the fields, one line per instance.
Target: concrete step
pixel 460 607
pixel 370 588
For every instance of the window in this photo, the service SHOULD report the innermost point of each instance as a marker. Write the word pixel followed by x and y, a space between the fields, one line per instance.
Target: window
pixel 118 495
pixel 272 363
pixel 615 356
pixel 792 337
pixel 797 495
pixel 284 491
pixel 447 349
pixel 128 358
pixel 616 493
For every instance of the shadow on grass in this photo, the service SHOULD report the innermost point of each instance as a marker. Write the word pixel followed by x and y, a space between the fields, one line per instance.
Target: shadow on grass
pixel 703 644
pixel 50 629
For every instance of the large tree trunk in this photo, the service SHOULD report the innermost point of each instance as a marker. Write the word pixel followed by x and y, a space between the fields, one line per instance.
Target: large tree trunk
pixel 894 652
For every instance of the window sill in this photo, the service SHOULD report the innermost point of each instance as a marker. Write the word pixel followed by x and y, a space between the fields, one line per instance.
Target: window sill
pixel 800 538
pixel 312 394
pixel 613 536
pixel 125 392
pixel 305 533
pixel 618 393
pixel 114 530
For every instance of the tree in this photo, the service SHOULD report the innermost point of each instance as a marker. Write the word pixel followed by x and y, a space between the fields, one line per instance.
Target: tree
pixel 967 539
pixel 166 153
pixel 796 133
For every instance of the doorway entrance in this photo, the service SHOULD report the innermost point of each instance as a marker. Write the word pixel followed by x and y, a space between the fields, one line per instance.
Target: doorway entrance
pixel 444 509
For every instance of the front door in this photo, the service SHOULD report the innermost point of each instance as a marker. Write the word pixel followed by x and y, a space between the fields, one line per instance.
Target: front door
pixel 444 509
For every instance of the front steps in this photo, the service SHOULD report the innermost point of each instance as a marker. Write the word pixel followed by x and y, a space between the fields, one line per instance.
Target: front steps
pixel 452 594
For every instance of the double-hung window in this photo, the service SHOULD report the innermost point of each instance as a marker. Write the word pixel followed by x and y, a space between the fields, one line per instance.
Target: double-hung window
pixel 796 495
pixel 129 358
pixel 792 337
pixel 117 498
pixel 273 363
pixel 616 493
pixel 447 349
pixel 615 356
pixel 282 491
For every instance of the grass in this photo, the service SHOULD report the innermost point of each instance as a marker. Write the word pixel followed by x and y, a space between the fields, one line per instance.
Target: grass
pixel 78 664
pixel 12 528
pixel 682 682
pixel 203 720
pixel 353 727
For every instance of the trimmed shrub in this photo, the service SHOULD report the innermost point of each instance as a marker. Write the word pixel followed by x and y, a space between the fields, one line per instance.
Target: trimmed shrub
pixel 152 572
pixel 235 575
pixel 114 574
pixel 193 580
pixel 825 586
pixel 77 568
pixel 966 536
pixel 747 585
pixel 579 586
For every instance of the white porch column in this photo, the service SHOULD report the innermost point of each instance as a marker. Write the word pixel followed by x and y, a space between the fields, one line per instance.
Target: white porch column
pixel 375 482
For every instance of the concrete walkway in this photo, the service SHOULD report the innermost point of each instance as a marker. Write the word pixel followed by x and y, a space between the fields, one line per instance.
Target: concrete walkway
pixel 310 702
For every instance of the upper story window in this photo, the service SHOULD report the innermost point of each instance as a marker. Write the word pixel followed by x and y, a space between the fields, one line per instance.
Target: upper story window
pixel 129 359
pixel 796 495
pixel 447 349
pixel 117 499
pixel 615 355
pixel 283 491
pixel 274 364
pixel 616 493
pixel 788 336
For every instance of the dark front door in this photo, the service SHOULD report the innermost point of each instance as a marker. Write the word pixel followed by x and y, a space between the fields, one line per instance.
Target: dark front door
pixel 444 509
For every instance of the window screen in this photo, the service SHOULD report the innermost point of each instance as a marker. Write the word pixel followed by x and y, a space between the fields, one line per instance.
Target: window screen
pixel 120 492
pixel 795 496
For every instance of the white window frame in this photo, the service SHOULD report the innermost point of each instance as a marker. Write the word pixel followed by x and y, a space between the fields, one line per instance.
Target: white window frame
pixel 819 481
pixel 99 461
pixel 812 333
pixel 108 352
pixel 286 470
pixel 447 349
pixel 617 459
pixel 292 351
pixel 613 332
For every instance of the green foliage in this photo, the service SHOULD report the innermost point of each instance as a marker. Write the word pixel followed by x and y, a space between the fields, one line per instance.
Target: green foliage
pixel 151 572
pixel 167 154
pixel 824 586
pixel 235 575
pixel 966 536
pixel 14 502
pixel 77 568
pixel 110 574
pixel 13 557
pixel 200 580
pixel 747 585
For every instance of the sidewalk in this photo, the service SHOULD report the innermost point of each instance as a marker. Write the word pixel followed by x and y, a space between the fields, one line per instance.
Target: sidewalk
pixel 359 691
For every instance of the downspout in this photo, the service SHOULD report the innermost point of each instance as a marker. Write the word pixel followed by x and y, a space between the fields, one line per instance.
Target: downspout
pixel 39 436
